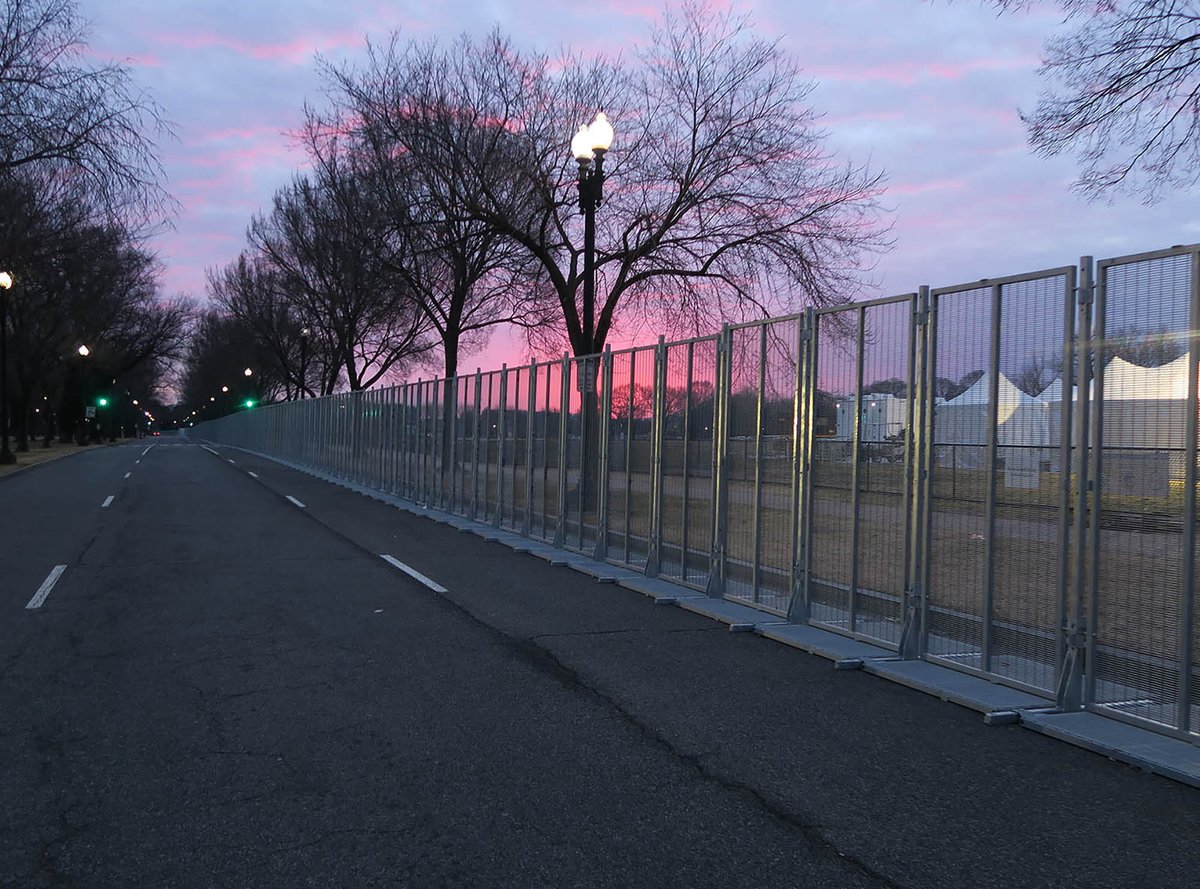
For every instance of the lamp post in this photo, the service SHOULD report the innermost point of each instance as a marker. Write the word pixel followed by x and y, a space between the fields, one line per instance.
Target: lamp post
pixel 591 143
pixel 82 431
pixel 6 283
pixel 304 334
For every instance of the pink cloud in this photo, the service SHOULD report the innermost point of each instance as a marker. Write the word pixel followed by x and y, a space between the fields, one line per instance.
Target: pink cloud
pixel 298 51
pixel 908 72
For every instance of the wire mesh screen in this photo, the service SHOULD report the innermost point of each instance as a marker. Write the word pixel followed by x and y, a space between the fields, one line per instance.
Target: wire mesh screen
pixel 488 463
pixel 1142 407
pixel 776 516
pixel 747 368
pixel 516 407
pixel 962 428
pixel 999 537
pixel 582 452
pixel 831 519
pixel 1031 546
pixel 858 527
pixel 881 490
pixel 547 422
pixel 687 502
pixel 630 428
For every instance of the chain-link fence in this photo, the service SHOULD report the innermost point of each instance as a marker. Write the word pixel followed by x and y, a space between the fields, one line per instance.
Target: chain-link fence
pixel 999 477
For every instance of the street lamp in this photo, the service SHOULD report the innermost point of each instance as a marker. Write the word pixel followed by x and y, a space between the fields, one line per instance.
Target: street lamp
pixel 591 143
pixel 6 283
pixel 304 335
pixel 224 389
pixel 84 351
pixel 248 372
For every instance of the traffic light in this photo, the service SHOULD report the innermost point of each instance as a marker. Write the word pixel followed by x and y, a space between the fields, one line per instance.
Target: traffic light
pixel 102 401
pixel 248 403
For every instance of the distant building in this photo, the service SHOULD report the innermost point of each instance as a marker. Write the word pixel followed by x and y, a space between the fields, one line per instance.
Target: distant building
pixel 883 416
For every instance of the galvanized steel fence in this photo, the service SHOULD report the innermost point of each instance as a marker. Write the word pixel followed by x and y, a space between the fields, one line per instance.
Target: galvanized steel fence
pixel 1000 477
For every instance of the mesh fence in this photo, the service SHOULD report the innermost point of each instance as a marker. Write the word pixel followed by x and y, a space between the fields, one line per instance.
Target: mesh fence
pixel 1143 462
pixel 1041 514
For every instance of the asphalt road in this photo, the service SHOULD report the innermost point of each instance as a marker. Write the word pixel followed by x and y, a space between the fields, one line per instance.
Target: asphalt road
pixel 227 688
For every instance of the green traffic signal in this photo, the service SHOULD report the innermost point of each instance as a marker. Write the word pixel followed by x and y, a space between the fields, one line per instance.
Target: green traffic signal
pixel 102 401
pixel 249 402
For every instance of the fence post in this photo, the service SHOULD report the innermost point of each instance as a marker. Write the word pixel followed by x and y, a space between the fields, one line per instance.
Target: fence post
pixel 759 415
pixel 856 467
pixel 1187 588
pixel 657 433
pixel 993 424
pixel 1076 635
pixel 802 445
pixel 601 551
pixel 475 445
pixel 531 412
pixel 501 433
pixel 560 530
pixel 720 489
pixel 913 629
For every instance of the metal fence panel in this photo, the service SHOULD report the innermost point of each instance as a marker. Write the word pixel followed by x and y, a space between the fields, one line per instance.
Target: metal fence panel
pixel 1142 580
pixel 996 581
pixel 689 400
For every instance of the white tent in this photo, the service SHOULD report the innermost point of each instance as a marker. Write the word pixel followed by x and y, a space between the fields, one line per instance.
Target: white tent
pixel 961 430
pixel 1145 417
pixel 1144 407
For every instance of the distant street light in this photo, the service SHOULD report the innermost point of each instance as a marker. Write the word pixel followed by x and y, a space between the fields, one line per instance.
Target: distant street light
pixel 6 283
pixel 248 372
pixel 84 351
pixel 224 388
pixel 304 335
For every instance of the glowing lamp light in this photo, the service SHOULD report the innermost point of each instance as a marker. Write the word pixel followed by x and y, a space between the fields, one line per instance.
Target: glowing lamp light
pixel 601 132
pixel 248 372
pixel 84 351
pixel 6 281
pixel 224 388
pixel 581 145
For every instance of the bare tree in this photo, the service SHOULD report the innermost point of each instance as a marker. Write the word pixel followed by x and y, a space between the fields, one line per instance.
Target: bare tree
pixel 1127 95
pixel 1039 373
pixel 467 277
pixel 77 282
pixel 250 289
pixel 1145 349
pixel 91 118
pixel 324 237
pixel 723 200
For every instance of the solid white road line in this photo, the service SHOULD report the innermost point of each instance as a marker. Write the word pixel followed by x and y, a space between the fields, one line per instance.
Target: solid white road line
pixel 47 585
pixel 413 573
pixel 210 450
pixel 252 474
pixel 147 451
pixel 128 474
pixel 294 500
pixel 108 501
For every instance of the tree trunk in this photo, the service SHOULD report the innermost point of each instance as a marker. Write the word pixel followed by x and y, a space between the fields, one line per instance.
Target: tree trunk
pixel 449 406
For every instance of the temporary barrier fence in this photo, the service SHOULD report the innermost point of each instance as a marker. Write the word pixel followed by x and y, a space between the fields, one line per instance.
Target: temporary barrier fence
pixel 999 477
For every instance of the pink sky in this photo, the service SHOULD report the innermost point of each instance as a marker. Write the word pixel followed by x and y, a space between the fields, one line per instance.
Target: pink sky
pixel 928 91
